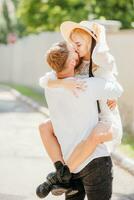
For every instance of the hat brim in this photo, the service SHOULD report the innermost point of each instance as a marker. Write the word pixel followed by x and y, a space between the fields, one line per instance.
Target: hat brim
pixel 68 26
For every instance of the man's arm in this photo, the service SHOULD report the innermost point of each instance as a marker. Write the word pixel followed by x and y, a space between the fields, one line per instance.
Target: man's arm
pixel 101 133
pixel 98 89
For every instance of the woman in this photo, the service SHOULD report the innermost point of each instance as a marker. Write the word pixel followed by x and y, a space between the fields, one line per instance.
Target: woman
pixel 84 36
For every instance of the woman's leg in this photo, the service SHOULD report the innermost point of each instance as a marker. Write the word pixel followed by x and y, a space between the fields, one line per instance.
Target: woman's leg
pixel 50 141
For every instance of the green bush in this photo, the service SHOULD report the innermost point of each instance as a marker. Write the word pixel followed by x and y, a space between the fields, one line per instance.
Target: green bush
pixel 34 16
pixel 44 15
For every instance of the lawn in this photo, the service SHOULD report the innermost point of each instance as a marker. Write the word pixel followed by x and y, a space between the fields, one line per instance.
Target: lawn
pixel 30 92
pixel 127 146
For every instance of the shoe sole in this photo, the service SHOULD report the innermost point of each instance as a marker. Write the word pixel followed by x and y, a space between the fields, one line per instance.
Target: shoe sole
pixel 58 191
pixel 72 192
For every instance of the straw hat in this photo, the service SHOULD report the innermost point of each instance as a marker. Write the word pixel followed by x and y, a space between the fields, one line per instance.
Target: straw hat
pixel 68 26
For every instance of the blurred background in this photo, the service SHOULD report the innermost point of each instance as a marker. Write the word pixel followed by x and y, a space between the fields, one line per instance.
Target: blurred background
pixel 29 27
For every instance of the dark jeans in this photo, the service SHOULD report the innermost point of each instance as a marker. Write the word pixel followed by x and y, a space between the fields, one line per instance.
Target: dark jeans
pixel 94 180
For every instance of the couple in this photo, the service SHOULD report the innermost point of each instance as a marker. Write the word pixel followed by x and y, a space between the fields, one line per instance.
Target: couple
pixel 85 125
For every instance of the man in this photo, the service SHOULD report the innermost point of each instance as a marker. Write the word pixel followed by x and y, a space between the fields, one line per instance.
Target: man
pixel 73 119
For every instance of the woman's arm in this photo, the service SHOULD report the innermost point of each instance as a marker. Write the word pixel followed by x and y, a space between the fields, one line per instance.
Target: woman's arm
pixel 55 83
pixel 50 80
pixel 47 78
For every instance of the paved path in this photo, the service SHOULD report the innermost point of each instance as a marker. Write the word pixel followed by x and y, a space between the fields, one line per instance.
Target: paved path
pixel 24 163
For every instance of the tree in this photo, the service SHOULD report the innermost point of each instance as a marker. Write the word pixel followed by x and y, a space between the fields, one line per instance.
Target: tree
pixel 34 16
pixel 8 21
pixel 9 24
pixel 121 10
pixel 46 15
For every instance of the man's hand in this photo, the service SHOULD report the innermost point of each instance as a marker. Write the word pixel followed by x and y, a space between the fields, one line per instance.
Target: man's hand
pixel 112 104
pixel 102 133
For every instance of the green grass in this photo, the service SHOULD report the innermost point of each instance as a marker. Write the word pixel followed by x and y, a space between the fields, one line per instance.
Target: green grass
pixel 30 92
pixel 127 146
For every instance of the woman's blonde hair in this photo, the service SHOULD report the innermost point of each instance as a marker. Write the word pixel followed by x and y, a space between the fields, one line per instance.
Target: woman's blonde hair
pixel 80 32
pixel 92 66
pixel 83 33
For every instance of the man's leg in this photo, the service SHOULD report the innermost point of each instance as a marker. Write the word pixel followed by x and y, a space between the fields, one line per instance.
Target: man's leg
pixel 50 141
pixel 78 185
pixel 97 179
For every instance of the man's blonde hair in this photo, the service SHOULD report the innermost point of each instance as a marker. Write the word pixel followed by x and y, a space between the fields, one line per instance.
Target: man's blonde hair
pixel 57 56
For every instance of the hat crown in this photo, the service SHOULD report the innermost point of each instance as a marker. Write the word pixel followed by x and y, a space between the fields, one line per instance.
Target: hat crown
pixel 68 26
pixel 87 24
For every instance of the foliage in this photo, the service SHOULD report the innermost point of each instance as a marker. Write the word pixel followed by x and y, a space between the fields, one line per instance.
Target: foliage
pixel 44 15
pixel 34 16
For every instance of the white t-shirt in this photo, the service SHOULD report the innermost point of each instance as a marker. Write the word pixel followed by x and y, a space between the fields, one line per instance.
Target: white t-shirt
pixel 74 118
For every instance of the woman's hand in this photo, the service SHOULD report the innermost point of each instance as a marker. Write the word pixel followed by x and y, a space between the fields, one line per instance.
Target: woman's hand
pixel 98 29
pixel 112 104
pixel 74 86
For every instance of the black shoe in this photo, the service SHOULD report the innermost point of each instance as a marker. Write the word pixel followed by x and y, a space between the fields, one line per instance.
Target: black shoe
pixel 57 188
pixel 52 184
pixel 43 190
pixel 63 173
pixel 64 176
pixel 60 188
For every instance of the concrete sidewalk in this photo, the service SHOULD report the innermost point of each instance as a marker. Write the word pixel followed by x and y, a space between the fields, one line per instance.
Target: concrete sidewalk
pixel 24 162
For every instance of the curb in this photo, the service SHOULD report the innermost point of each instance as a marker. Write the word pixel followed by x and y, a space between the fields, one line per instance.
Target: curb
pixel 124 162
pixel 119 159
pixel 30 102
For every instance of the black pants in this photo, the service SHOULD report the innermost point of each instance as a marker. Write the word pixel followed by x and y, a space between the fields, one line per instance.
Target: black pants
pixel 94 180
